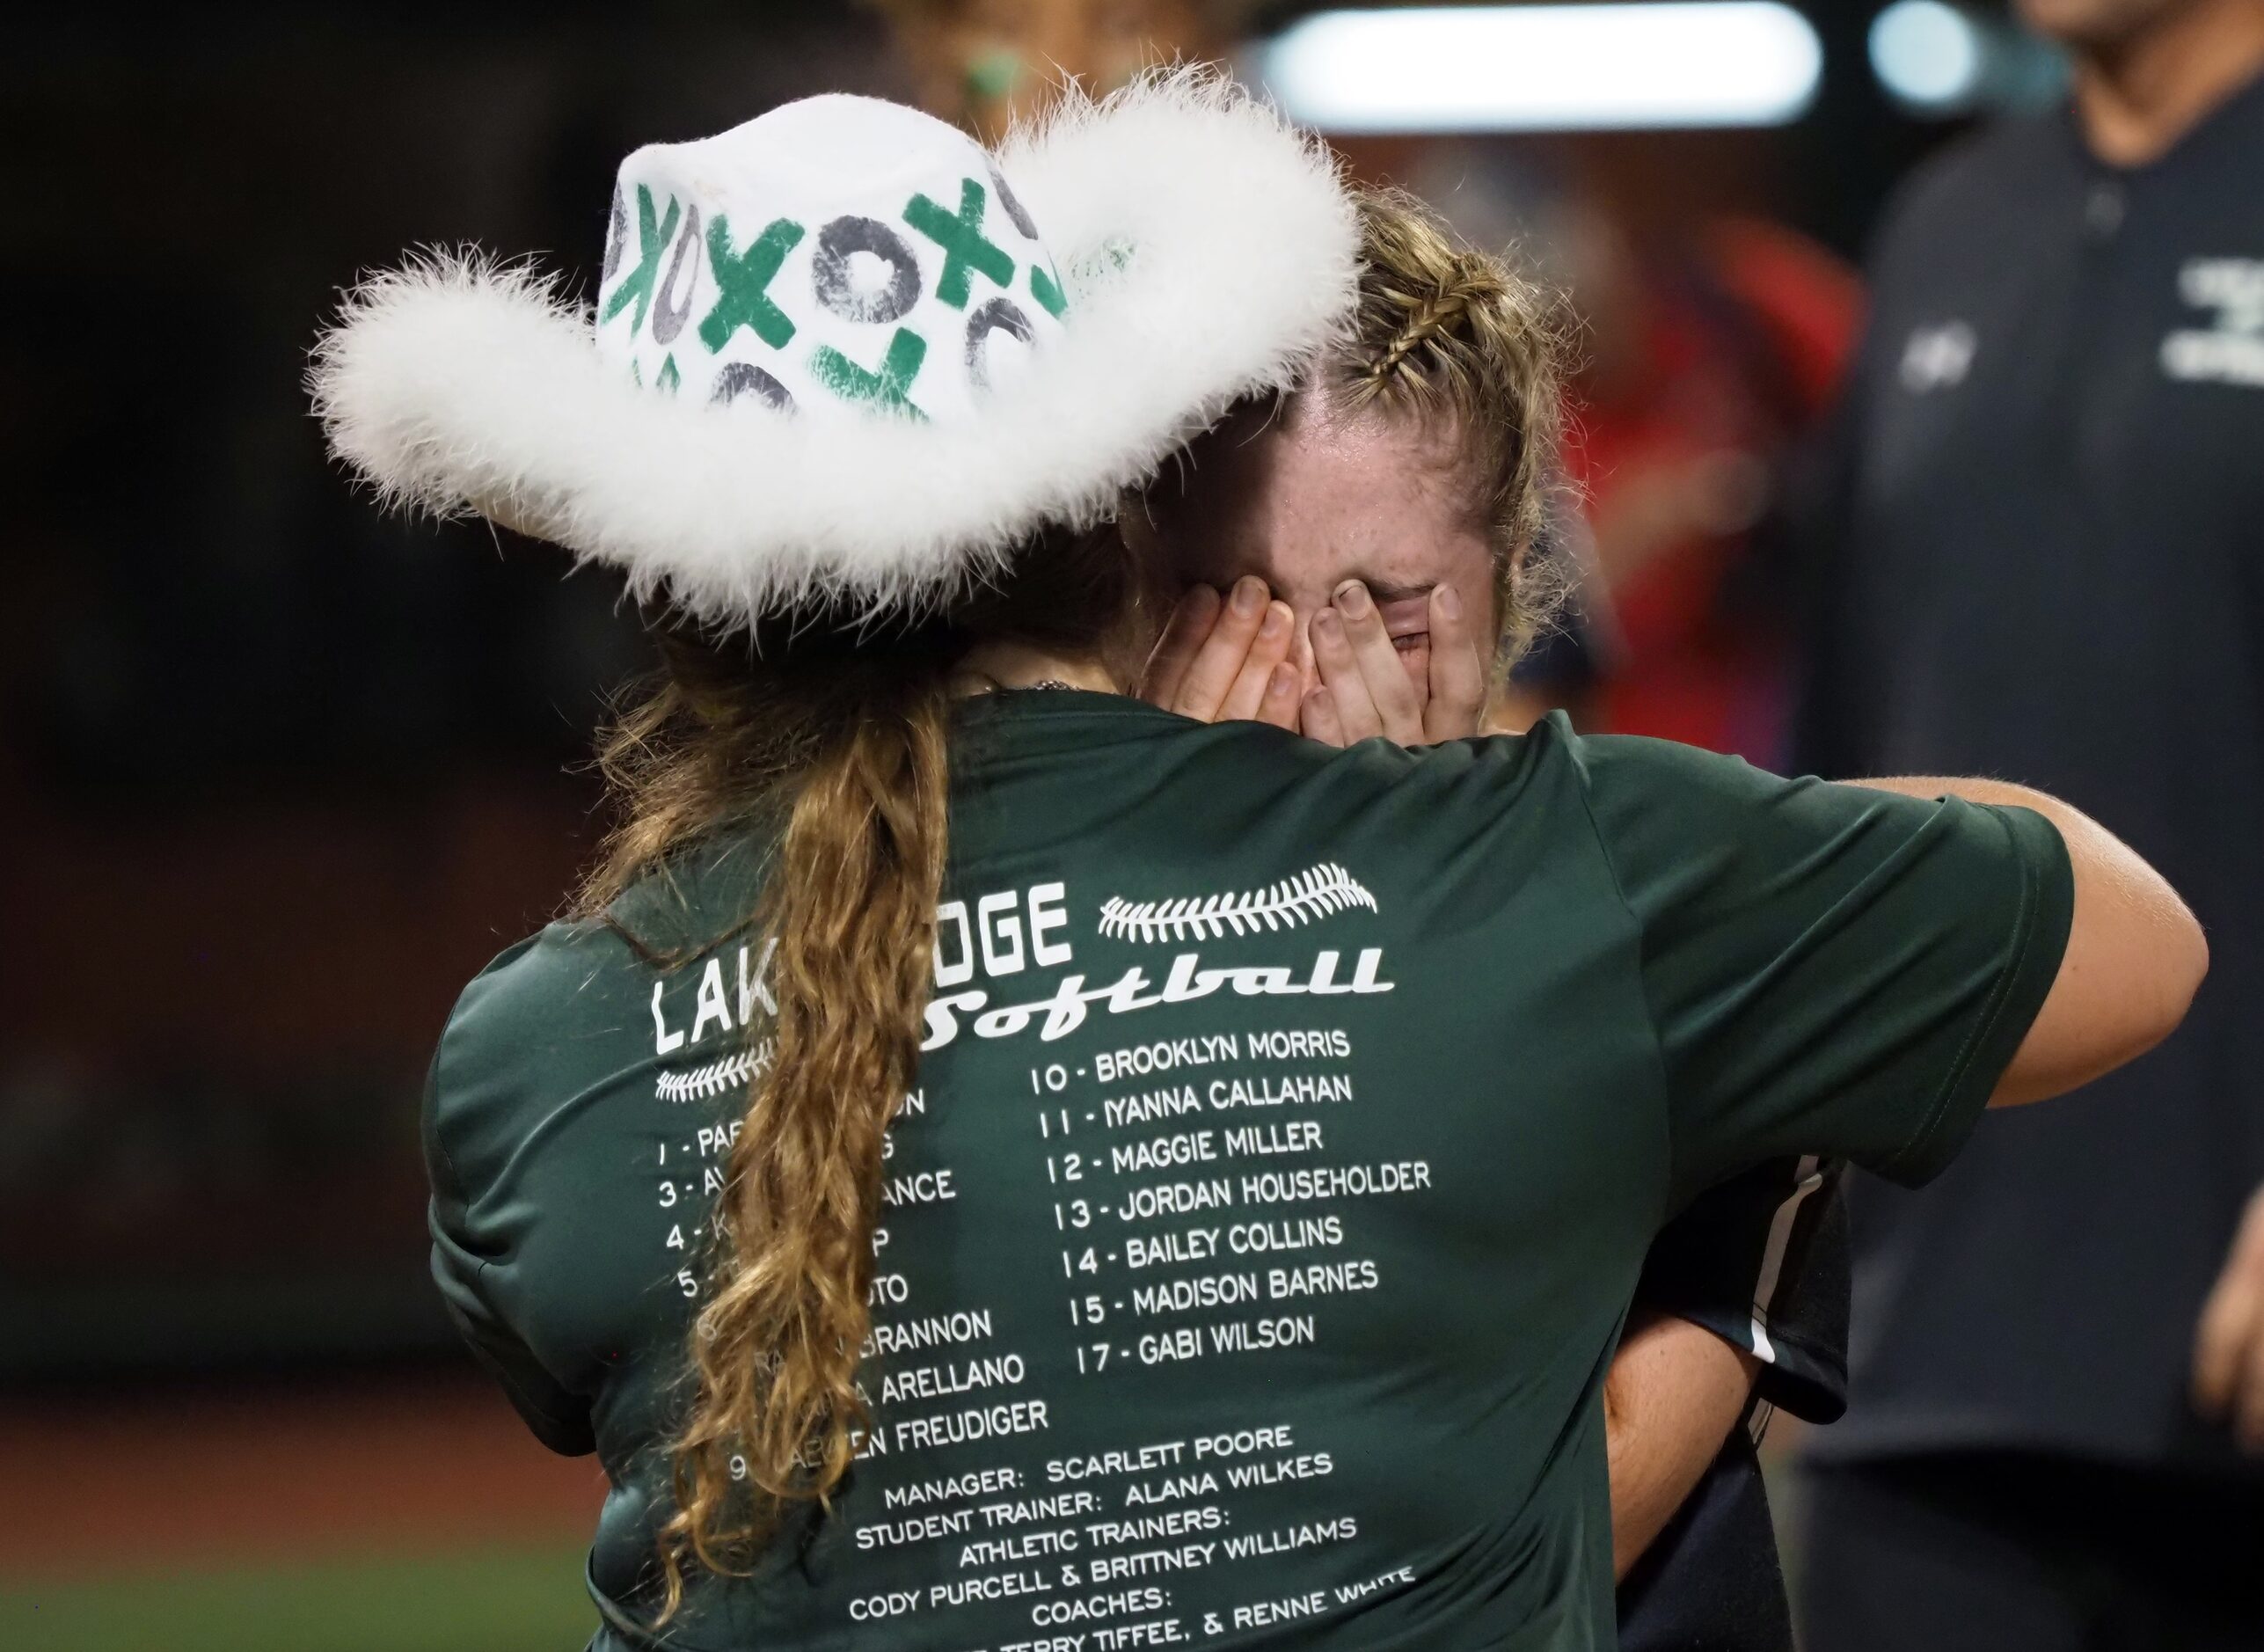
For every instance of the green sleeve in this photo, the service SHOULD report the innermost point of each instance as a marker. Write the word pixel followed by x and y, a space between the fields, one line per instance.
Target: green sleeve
pixel 466 1264
pixel 1829 968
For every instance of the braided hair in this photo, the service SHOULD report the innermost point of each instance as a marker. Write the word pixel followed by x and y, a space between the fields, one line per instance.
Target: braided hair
pixel 1427 317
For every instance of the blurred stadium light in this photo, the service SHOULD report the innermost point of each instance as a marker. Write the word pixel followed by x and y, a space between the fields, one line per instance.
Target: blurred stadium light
pixel 1546 67
pixel 1926 54
pixel 1940 61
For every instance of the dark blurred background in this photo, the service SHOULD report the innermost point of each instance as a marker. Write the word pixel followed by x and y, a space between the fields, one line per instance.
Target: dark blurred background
pixel 282 771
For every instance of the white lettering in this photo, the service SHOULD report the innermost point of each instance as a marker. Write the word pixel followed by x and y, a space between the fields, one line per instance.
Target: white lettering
pixel 952 915
pixel 755 986
pixel 1048 913
pixel 710 1007
pixel 664 1039
pixel 1000 932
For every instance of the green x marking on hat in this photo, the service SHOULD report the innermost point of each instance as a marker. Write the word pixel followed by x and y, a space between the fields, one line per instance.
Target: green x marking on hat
pixel 1047 291
pixel 740 279
pixel 962 241
pixel 898 369
pixel 652 240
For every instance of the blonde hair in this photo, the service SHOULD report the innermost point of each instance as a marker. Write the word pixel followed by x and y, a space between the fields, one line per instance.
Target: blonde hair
pixel 1458 339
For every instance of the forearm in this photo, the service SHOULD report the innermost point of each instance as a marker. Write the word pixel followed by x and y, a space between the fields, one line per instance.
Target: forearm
pixel 1673 1393
pixel 2135 954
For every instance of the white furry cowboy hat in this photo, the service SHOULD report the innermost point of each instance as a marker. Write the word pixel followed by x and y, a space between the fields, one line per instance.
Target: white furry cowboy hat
pixel 841 352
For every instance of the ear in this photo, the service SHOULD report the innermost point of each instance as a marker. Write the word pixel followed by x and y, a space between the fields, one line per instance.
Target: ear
pixel 1135 524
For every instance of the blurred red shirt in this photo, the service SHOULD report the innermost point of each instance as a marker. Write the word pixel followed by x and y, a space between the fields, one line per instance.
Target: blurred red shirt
pixel 1738 348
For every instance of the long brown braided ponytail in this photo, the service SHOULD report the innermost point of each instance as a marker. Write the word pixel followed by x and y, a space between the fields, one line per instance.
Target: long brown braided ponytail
pixel 838 756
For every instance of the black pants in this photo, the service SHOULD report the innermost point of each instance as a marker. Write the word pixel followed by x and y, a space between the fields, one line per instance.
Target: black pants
pixel 1711 1581
pixel 2008 1552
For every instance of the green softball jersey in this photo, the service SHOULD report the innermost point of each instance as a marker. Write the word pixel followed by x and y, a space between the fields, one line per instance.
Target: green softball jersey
pixel 1291 1129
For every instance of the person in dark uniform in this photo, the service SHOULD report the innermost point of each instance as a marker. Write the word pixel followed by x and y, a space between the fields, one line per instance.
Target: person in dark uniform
pixel 1743 1304
pixel 2044 558
pixel 993 1163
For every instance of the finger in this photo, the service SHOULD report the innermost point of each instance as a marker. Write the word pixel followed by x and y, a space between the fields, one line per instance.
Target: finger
pixel 1457 671
pixel 1210 675
pixel 1280 705
pixel 1318 719
pixel 1269 648
pixel 2219 1345
pixel 1192 618
pixel 1351 699
pixel 1397 703
pixel 2248 1399
pixel 2229 1337
pixel 2229 1327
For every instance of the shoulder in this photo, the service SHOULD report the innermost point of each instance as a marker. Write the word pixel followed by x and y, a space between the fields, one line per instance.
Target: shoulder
pixel 1221 777
pixel 1492 786
pixel 1713 838
pixel 543 1010
pixel 572 1009
pixel 1549 781
pixel 1197 792
pixel 1446 837
pixel 1605 816
pixel 1667 783
pixel 1975 180
pixel 531 988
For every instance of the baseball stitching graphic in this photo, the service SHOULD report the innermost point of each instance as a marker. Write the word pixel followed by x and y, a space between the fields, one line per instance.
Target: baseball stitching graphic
pixel 1306 898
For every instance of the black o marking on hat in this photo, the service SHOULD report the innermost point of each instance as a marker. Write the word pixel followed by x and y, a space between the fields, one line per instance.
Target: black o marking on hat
pixel 1011 206
pixel 831 279
pixel 740 377
pixel 965 247
pixel 672 304
pixel 617 230
pixel 998 314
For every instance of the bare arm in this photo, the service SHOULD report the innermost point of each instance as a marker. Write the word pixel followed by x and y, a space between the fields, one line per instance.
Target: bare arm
pixel 2134 957
pixel 1674 1392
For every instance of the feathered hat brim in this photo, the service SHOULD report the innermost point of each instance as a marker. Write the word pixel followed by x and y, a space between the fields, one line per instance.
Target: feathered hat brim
pixel 1207 247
